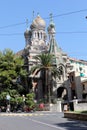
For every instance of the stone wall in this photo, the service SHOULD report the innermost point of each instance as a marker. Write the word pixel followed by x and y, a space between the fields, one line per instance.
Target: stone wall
pixel 78 87
pixel 56 107
pixel 80 106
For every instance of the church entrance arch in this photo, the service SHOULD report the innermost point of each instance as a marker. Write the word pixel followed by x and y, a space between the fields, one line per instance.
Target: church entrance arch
pixel 62 93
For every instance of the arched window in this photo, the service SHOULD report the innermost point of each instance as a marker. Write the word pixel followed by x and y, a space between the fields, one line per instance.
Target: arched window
pixel 35 34
pixel 38 34
pixel 41 35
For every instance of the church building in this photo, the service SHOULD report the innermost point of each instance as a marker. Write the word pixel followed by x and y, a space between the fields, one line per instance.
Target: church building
pixel 41 39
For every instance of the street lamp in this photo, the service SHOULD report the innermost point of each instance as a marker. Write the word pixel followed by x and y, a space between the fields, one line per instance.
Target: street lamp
pixel 23 96
pixel 8 102
pixel 8 98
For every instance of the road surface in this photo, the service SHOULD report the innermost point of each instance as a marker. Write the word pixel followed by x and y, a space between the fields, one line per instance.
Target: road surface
pixel 39 121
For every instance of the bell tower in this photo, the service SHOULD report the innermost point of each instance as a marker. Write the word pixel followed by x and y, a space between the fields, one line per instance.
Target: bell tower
pixel 51 28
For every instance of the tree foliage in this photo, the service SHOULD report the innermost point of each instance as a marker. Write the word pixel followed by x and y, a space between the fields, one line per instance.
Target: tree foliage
pixel 30 100
pixel 11 67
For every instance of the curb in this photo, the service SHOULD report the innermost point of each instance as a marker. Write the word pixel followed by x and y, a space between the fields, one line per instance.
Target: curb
pixel 23 114
pixel 82 117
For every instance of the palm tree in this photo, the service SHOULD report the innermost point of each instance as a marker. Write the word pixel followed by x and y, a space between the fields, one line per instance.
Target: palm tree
pixel 48 69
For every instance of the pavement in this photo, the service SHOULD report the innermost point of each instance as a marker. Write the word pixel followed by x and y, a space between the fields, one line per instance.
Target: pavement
pixel 53 120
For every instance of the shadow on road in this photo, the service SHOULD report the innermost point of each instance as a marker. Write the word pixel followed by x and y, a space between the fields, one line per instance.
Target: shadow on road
pixel 73 125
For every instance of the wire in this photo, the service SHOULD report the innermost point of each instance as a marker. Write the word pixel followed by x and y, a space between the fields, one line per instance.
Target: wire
pixel 78 32
pixel 69 13
pixel 72 32
pixel 10 34
pixel 17 24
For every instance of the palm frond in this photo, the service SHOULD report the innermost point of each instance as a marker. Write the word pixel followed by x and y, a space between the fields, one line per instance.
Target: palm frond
pixel 35 70
pixel 45 59
pixel 45 62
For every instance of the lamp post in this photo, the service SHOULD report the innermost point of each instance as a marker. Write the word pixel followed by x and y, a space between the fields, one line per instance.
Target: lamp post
pixel 23 105
pixel 8 98
pixel 23 96
pixel 8 102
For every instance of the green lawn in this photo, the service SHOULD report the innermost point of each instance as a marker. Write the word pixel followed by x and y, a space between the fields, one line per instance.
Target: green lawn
pixel 79 112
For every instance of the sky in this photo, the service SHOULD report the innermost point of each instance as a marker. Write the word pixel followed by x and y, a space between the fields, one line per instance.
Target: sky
pixel 69 17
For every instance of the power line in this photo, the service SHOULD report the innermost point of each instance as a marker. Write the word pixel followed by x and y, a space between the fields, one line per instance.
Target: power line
pixel 10 34
pixel 11 25
pixel 72 32
pixel 75 32
pixel 69 13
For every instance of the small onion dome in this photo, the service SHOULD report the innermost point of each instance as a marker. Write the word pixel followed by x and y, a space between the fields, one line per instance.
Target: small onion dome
pixel 51 27
pixel 27 33
pixel 38 22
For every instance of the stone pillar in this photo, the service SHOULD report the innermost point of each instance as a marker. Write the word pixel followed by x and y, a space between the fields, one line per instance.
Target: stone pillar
pixel 59 106
pixel 75 102
pixel 56 107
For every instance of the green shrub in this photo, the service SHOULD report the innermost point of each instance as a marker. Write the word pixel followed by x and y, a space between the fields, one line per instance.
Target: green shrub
pixel 30 100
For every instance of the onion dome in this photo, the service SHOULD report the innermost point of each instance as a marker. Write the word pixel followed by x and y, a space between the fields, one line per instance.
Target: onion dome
pixel 27 33
pixel 51 27
pixel 38 22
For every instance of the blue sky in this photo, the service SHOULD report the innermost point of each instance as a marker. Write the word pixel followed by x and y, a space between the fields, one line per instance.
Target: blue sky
pixel 68 15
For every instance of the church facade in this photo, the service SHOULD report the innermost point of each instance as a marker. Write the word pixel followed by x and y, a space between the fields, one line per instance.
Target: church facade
pixel 38 40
